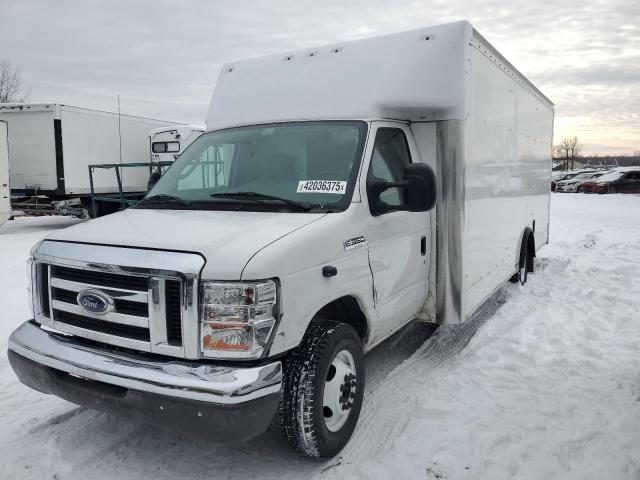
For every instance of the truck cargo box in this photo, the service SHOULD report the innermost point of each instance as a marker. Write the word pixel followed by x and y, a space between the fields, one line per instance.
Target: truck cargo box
pixel 53 144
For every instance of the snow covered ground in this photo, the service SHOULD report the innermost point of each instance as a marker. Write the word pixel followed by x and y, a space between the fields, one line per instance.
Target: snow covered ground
pixel 544 382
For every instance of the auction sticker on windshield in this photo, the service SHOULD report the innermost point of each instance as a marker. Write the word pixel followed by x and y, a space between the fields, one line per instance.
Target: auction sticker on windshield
pixel 322 186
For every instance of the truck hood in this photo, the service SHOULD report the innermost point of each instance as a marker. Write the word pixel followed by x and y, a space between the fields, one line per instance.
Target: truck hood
pixel 227 240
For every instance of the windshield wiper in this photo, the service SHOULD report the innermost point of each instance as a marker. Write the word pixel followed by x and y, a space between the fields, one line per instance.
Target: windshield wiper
pixel 261 196
pixel 163 198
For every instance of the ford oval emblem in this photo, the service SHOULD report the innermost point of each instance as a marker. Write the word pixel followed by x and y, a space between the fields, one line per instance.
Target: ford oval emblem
pixel 94 301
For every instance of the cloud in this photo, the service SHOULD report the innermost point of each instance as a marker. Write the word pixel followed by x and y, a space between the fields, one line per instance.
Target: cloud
pixel 163 56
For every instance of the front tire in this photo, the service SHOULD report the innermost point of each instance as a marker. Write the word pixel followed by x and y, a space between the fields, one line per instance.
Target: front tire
pixel 323 389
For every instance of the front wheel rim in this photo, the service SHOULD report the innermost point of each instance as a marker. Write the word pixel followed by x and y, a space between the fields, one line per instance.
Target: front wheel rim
pixel 340 389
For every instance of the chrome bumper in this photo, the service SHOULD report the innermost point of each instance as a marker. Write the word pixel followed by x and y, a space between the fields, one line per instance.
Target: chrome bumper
pixel 179 379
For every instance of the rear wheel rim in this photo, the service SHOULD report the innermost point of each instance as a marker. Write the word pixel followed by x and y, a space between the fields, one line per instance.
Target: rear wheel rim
pixel 340 389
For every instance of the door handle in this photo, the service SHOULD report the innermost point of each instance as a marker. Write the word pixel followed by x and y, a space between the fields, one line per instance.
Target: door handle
pixel 423 245
pixel 329 271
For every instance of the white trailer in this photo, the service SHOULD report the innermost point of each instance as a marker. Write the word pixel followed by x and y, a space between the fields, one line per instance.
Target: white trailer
pixel 5 194
pixel 53 144
pixel 312 239
pixel 169 142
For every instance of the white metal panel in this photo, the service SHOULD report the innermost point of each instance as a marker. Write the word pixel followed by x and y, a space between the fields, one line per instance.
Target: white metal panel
pixel 93 137
pixel 425 137
pixel 5 197
pixel 507 173
pixel 297 259
pixel 417 75
pixel 183 135
pixel 226 239
pixel 31 136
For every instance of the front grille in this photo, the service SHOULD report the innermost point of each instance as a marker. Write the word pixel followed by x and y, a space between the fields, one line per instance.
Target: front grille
pixel 113 280
pixel 64 295
pixel 125 307
pixel 88 323
pixel 132 308
pixel 42 277
pixel 135 316
pixel 172 310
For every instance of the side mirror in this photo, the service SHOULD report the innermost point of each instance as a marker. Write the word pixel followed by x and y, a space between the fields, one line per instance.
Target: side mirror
pixel 419 185
pixel 421 192
pixel 153 179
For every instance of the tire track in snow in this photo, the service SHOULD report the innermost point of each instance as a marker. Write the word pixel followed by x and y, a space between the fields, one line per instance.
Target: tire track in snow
pixel 62 418
pixel 386 410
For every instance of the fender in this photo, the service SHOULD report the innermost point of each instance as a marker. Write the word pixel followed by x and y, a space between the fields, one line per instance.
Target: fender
pixel 527 236
pixel 525 260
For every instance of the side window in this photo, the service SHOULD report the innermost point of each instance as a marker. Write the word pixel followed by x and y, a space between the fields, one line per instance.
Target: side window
pixel 390 155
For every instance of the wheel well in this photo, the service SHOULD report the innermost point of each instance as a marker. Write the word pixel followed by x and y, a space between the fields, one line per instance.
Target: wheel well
pixel 531 250
pixel 346 310
pixel 527 250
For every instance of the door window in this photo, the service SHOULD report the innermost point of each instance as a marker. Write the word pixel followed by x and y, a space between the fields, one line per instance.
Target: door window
pixel 388 161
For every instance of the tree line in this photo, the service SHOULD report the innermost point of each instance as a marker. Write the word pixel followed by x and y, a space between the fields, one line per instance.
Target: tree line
pixel 11 87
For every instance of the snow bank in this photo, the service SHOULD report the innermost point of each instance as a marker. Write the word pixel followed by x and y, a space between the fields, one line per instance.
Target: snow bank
pixel 544 382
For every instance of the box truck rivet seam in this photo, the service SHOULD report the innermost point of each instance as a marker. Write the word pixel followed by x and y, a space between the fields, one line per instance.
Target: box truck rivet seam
pixel 295 234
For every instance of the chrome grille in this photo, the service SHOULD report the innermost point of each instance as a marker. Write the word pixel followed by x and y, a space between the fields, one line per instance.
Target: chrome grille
pixel 104 279
pixel 127 325
pixel 172 312
pixel 152 295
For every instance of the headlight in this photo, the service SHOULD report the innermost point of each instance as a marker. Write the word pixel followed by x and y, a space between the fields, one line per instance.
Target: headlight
pixel 237 319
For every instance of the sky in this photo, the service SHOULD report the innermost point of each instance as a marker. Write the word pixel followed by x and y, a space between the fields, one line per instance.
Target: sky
pixel 163 56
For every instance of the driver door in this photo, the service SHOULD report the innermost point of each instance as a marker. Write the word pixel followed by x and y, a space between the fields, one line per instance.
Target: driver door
pixel 398 241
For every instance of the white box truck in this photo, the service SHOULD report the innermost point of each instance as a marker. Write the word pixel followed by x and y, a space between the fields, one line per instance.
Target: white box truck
pixel 53 144
pixel 5 194
pixel 339 193
pixel 167 143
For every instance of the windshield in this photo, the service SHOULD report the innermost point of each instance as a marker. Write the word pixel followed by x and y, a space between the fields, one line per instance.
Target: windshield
pixel 584 176
pixel 276 166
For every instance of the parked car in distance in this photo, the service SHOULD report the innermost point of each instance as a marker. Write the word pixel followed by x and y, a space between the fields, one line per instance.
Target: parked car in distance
pixel 566 175
pixel 574 184
pixel 619 180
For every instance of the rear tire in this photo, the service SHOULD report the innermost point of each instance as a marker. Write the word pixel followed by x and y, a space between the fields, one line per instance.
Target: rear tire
pixel 325 373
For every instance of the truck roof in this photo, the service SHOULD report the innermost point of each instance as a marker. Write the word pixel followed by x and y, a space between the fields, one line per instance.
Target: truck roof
pixel 54 107
pixel 183 130
pixel 420 75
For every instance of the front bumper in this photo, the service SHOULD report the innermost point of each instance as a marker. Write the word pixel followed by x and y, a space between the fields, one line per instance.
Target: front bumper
pixel 227 404
pixel 566 188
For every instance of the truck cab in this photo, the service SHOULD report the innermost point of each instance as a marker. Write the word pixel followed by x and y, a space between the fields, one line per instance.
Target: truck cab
pixel 299 231
pixel 166 143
